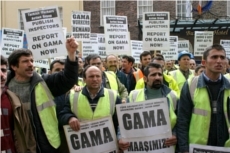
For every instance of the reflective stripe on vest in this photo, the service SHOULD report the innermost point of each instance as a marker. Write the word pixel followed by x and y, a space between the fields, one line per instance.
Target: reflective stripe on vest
pixel 174 99
pixel 112 78
pixel 139 96
pixel 77 107
pixel 201 114
pixel 47 113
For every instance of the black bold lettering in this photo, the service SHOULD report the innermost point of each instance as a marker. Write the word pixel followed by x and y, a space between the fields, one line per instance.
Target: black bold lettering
pixel 161 118
pixel 84 141
pixel 127 121
pixel 149 119
pixel 74 141
pixel 107 135
pixel 137 121
pixel 96 137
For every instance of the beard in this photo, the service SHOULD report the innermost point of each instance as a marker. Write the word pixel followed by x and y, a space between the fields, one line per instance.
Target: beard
pixel 156 84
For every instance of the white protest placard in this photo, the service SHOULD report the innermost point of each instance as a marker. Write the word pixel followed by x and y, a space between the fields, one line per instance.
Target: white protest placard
pixel 81 25
pixel 116 35
pixel 145 125
pixel 12 39
pixel 101 45
pixel 68 35
pixel 156 31
pixel 195 148
pixel 44 63
pixel 183 45
pixel 202 40
pixel 64 29
pixel 90 47
pixel 97 136
pixel 226 45
pixel 44 32
pixel 171 54
pixel 136 49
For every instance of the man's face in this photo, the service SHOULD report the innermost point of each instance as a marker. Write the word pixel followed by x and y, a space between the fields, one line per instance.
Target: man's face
pixel 111 63
pixel 214 64
pixel 168 65
pixel 57 67
pixel 145 60
pixel 184 62
pixel 96 62
pixel 126 64
pixel 161 62
pixel 155 78
pixel 80 64
pixel 192 63
pixel 24 70
pixel 93 78
pixel 200 71
pixel 3 75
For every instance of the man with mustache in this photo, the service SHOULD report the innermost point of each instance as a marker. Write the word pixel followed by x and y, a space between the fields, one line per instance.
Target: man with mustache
pixel 37 93
pixel 111 63
pixel 204 107
pixel 154 88
pixel 14 120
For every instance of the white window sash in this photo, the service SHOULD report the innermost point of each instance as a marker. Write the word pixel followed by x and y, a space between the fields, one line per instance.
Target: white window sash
pixel 107 7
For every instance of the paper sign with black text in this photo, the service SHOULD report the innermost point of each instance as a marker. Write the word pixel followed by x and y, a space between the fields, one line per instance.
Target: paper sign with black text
pixel 91 46
pixel 136 49
pixel 44 63
pixel 116 35
pixel 146 125
pixel 195 148
pixel 156 31
pixel 183 45
pixel 101 45
pixel 44 32
pixel 226 45
pixel 81 25
pixel 97 136
pixel 11 40
pixel 202 40
pixel 172 54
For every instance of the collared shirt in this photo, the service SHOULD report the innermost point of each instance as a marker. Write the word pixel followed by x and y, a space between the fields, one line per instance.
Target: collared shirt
pixel 186 73
pixel 92 96
pixel 207 78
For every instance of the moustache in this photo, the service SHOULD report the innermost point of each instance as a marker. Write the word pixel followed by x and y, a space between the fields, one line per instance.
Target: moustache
pixel 113 66
pixel 30 69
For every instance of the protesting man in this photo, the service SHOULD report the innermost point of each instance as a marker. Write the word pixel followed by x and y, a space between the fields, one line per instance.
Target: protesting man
pixel 37 94
pixel 203 112
pixel 92 102
pixel 153 77
pixel 17 134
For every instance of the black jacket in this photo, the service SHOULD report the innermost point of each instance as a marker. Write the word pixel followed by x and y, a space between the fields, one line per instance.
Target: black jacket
pixel 58 83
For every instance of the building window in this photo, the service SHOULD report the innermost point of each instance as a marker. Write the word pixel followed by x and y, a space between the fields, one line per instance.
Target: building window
pixel 144 6
pixel 107 7
pixel 184 9
pixel 21 24
pixel 228 8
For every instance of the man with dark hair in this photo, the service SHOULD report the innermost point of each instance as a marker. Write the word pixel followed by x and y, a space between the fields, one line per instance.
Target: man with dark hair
pixel 128 69
pixel 153 77
pixel 199 70
pixel 80 66
pixel 37 93
pixel 57 66
pixel 203 112
pixel 15 125
pixel 145 59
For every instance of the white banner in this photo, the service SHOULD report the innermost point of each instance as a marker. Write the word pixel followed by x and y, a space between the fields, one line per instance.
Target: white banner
pixel 81 25
pixel 44 63
pixel 226 45
pixel 12 39
pixel 172 54
pixel 145 125
pixel 101 45
pixel 156 31
pixel 195 148
pixel 96 136
pixel 136 49
pixel 44 32
pixel 91 46
pixel 202 40
pixel 183 45
pixel 116 35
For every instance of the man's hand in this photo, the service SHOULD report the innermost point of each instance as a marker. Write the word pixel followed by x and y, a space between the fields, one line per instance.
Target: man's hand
pixel 71 46
pixel 77 88
pixel 123 101
pixel 74 123
pixel 171 141
pixel 123 145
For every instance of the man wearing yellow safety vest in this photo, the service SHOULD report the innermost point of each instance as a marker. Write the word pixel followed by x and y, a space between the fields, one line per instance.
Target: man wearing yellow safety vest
pixel 109 78
pixel 92 102
pixel 153 77
pixel 183 73
pixel 145 59
pixel 37 93
pixel 167 79
pixel 204 107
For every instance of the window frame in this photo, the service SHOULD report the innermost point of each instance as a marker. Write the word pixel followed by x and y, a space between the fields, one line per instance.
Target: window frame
pixel 110 8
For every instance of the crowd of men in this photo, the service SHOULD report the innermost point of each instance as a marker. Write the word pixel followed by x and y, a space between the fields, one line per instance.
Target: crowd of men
pixel 34 108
